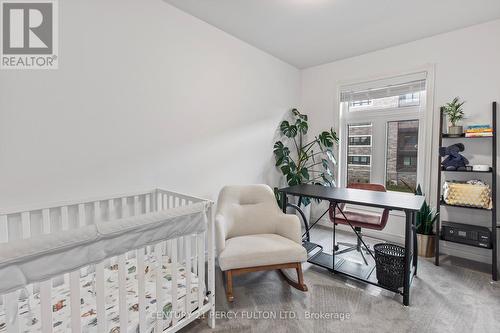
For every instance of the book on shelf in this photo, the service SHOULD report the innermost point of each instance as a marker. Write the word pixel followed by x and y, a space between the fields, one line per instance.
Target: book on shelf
pixel 478 126
pixel 479 130
pixel 474 129
pixel 478 134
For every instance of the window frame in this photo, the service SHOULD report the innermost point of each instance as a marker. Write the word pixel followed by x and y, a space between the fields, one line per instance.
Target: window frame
pixel 430 124
pixel 419 154
pixel 379 120
pixel 359 108
pixel 427 123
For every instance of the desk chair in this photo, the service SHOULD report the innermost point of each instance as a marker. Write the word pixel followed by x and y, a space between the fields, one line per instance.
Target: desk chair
pixel 359 220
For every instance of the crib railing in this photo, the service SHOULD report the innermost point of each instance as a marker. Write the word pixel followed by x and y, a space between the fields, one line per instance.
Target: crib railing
pixel 25 222
pixel 189 250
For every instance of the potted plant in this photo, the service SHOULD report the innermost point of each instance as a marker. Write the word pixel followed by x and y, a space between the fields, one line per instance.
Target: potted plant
pixel 425 220
pixel 455 113
pixel 304 163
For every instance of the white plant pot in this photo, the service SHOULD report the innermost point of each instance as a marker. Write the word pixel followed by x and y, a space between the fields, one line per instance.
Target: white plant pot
pixel 455 130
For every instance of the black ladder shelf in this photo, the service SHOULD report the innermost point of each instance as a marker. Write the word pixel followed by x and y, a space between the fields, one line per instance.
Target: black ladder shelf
pixel 492 171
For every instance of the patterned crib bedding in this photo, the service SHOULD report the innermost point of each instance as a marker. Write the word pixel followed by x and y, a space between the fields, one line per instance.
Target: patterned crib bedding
pixel 29 305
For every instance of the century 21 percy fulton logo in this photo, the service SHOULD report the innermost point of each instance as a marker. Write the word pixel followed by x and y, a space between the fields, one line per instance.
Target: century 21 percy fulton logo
pixel 29 35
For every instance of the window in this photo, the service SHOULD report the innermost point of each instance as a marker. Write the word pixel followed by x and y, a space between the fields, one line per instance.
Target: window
pixel 392 94
pixel 359 155
pixel 360 140
pixel 360 104
pixel 402 150
pixel 381 121
pixel 409 99
pixel 358 160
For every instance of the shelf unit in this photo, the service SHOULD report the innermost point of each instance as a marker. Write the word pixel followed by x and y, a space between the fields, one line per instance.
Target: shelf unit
pixel 448 136
pixel 470 171
pixel 492 172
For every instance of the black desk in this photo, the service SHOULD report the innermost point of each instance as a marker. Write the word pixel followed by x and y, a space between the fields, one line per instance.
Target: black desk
pixel 409 204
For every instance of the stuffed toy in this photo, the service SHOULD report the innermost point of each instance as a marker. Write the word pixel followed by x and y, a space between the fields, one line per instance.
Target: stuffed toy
pixel 454 160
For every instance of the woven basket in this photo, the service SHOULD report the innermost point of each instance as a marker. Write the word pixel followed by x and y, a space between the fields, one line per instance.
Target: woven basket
pixel 390 264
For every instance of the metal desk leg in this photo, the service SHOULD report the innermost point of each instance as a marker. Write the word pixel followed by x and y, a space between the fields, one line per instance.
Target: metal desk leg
pixel 408 240
pixel 415 242
pixel 333 236
pixel 306 223
pixel 283 202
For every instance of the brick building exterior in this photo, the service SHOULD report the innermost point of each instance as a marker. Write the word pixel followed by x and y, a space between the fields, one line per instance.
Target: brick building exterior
pixel 401 158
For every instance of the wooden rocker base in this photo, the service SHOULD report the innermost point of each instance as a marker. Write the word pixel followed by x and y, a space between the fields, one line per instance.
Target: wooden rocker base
pixel 297 285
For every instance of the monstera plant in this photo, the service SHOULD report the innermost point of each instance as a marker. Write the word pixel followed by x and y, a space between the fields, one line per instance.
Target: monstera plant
pixel 305 163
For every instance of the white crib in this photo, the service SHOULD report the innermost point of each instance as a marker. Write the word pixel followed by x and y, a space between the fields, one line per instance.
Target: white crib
pixel 123 263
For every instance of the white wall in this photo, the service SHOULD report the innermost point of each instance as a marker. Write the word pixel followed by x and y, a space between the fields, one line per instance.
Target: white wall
pixel 145 96
pixel 466 64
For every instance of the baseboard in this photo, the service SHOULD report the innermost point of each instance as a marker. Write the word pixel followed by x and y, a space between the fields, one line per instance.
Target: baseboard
pixel 456 250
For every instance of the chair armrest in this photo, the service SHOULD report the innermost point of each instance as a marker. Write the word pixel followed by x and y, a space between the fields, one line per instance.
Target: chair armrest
pixel 288 226
pixel 220 233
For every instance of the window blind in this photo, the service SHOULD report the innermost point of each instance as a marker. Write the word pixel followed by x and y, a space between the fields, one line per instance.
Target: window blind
pixel 394 86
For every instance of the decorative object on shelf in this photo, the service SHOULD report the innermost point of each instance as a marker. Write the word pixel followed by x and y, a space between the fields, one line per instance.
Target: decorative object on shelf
pixel 478 131
pixel 455 113
pixel 481 167
pixel 473 193
pixel 454 160
pixel 309 163
pixel 472 235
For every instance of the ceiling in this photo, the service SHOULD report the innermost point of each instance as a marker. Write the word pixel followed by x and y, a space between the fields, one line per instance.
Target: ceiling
pixel 305 33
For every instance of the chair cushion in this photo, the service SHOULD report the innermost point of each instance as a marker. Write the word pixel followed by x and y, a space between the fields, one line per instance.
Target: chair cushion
pixel 260 250
pixel 362 220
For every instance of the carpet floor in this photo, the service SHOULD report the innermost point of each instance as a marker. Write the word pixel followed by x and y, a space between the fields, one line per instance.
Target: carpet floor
pixel 457 296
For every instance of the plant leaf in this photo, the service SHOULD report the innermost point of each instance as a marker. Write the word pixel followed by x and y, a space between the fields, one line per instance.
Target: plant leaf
pixel 281 152
pixel 305 201
pixel 327 139
pixel 334 135
pixel 293 179
pixel 330 156
pixel 288 130
pixel 302 126
pixel 325 163
pixel 418 191
pixel 285 169
pixel 305 173
pixel 296 113
pixel 328 181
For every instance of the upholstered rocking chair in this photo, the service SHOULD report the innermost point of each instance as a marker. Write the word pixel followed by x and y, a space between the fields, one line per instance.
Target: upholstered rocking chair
pixel 253 234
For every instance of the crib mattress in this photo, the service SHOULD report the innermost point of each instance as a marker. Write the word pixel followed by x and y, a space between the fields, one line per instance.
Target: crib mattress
pixel 29 305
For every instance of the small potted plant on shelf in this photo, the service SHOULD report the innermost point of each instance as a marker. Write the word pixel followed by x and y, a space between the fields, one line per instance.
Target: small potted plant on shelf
pixel 455 113
pixel 425 220
pixel 304 162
